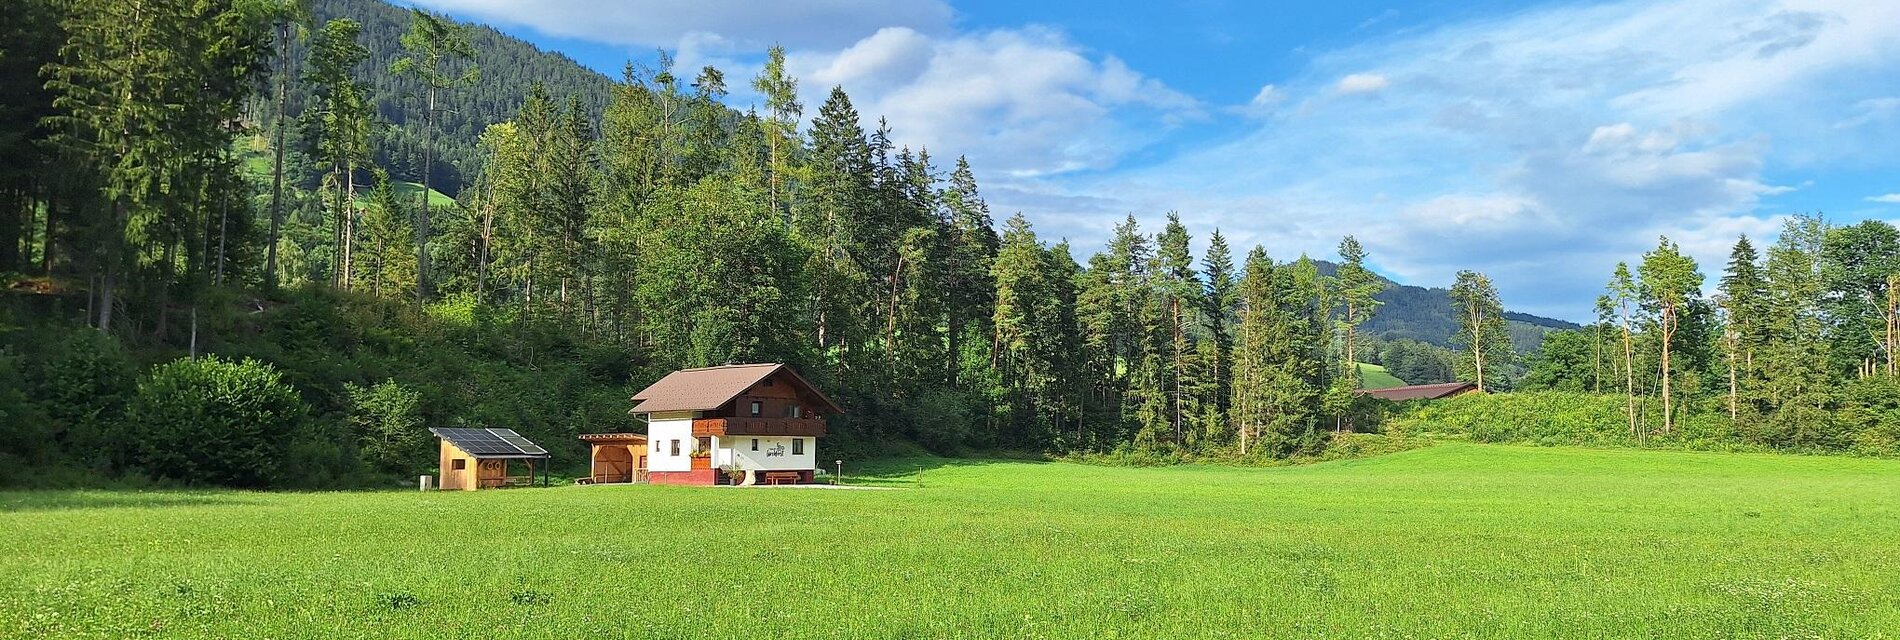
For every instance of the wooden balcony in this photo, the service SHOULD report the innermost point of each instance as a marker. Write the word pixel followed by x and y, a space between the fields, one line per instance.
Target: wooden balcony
pixel 810 427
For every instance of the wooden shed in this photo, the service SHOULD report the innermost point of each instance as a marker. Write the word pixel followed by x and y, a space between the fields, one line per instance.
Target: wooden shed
pixel 616 457
pixel 485 459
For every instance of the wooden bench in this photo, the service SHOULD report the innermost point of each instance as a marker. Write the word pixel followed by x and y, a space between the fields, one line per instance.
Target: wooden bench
pixel 784 477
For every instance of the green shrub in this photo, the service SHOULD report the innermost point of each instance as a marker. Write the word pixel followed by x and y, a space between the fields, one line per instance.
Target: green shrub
pixel 214 421
pixel 387 419
pixel 84 385
pixel 24 429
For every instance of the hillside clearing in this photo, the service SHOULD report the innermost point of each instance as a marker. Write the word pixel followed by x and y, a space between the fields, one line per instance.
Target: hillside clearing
pixel 1372 376
pixel 1450 541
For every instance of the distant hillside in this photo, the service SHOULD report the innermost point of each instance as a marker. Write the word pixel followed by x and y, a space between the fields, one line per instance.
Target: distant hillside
pixel 1425 314
pixel 509 66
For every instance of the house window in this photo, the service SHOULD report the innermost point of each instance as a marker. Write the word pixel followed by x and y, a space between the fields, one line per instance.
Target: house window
pixel 794 411
pixel 458 464
pixel 768 382
pixel 758 408
pixel 755 444
pixel 798 446
pixel 676 447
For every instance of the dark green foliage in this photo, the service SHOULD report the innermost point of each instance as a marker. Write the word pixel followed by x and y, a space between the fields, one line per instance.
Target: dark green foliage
pixel 508 67
pixel 216 421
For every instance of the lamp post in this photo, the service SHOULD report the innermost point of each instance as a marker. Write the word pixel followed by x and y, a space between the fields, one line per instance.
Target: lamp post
pixel 838 479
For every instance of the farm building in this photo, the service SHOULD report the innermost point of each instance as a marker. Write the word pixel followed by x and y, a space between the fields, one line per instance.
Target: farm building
pixel 616 457
pixel 735 424
pixel 484 459
pixel 1421 391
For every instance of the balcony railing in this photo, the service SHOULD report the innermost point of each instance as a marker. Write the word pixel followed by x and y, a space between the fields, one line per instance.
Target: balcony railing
pixel 811 427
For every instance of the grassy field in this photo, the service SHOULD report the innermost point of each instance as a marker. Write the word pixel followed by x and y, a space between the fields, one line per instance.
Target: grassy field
pixel 1449 541
pixel 1372 376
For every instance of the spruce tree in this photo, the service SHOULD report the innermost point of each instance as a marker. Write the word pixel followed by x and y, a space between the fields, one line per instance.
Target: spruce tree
pixel 437 54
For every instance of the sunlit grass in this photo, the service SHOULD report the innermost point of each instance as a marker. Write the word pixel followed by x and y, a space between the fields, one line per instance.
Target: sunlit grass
pixel 1372 376
pixel 1449 541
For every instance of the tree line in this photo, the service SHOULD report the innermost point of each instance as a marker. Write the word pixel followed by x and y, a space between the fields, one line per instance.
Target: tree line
pixel 671 231
pixel 1793 348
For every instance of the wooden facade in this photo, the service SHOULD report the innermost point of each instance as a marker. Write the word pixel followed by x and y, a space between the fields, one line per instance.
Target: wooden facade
pixel 616 458
pixel 470 459
pixel 462 471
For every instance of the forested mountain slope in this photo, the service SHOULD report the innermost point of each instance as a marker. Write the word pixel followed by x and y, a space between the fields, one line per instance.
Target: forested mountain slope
pixel 1425 314
pixel 509 66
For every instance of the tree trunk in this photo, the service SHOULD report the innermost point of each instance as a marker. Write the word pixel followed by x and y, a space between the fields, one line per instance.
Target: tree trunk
pixel 1668 335
pixel 277 154
pixel 224 217
pixel 1629 374
pixel 349 225
pixel 1179 346
pixel 422 214
pixel 109 280
pixel 46 243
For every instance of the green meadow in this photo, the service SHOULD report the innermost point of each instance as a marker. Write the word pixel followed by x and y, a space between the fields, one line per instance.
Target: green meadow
pixel 1455 540
pixel 1372 376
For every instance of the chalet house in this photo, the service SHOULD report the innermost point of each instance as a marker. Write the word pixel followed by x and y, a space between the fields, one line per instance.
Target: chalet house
pixel 736 424
pixel 1421 391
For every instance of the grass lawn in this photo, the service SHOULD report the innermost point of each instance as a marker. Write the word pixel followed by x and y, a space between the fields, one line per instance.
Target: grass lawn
pixel 1372 376
pixel 1450 541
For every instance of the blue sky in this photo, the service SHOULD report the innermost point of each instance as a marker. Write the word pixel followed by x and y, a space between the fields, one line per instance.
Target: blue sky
pixel 1538 142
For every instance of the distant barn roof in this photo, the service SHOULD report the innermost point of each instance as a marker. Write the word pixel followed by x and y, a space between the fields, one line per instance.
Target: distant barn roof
pixel 490 443
pixel 1420 391
pixel 712 387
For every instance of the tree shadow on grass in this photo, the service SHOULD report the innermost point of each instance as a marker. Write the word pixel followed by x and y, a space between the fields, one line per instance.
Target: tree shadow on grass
pixel 24 501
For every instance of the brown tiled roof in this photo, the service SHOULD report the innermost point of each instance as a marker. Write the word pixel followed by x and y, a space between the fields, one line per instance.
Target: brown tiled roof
pixel 1420 391
pixel 711 387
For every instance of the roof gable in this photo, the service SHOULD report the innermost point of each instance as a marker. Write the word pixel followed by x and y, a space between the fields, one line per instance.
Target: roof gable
pixel 708 388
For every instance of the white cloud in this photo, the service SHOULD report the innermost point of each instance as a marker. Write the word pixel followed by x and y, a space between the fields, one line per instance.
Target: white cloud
pixel 744 24
pixel 1544 146
pixel 1263 103
pixel 1891 198
pixel 1020 102
pixel 1362 83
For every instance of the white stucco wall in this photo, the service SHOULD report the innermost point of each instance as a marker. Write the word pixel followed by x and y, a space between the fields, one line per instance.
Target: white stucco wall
pixel 662 429
pixel 742 455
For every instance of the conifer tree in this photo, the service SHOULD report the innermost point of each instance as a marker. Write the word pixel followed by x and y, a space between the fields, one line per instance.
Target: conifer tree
pixel 1620 297
pixel 341 120
pixel 972 245
pixel 1217 267
pixel 780 91
pixel 1742 292
pixel 1354 289
pixel 438 55
pixel 286 16
pixel 1180 290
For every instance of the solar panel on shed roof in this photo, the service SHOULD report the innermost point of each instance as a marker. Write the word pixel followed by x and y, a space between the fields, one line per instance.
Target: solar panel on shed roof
pixel 509 436
pixel 490 442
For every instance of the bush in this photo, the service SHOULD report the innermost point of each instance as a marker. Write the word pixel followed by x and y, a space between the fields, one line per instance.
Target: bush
pixel 387 418
pixel 84 385
pixel 215 421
